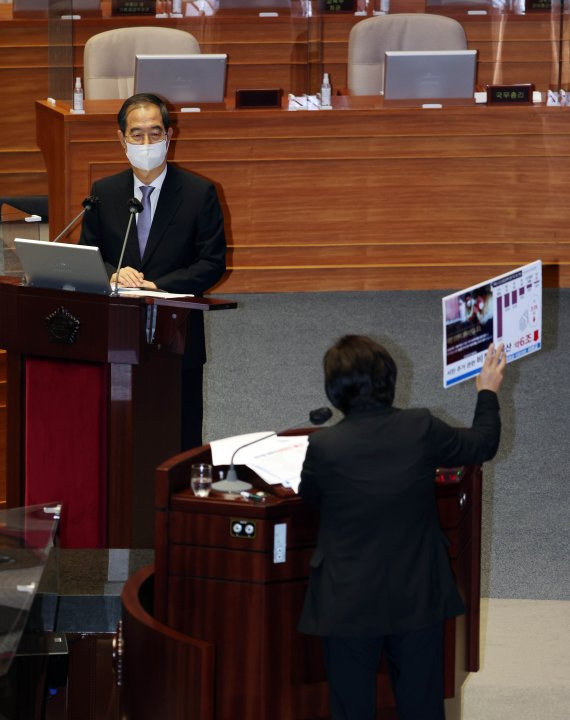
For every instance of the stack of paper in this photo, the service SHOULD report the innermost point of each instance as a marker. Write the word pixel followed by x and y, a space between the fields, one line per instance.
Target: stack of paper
pixel 277 460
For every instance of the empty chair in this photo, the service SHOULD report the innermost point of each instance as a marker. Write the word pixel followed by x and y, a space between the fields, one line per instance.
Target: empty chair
pixel 369 40
pixel 109 57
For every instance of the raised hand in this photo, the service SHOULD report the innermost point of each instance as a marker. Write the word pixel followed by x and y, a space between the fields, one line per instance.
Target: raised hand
pixel 492 372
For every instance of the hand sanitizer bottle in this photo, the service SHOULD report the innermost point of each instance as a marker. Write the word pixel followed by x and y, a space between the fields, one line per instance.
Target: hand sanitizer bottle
pixel 78 96
pixel 326 91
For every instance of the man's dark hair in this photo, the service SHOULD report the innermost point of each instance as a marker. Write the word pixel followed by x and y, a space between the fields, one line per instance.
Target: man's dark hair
pixel 138 101
pixel 359 373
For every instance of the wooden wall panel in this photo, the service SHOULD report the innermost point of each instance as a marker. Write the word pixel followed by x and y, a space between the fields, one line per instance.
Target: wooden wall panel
pixel 18 119
pixel 24 70
pixel 386 277
pixel 358 196
pixel 389 254
pixel 539 73
pixel 266 52
pixel 262 52
pixel 300 184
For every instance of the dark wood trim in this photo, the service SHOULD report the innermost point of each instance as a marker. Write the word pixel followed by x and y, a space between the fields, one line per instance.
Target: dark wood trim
pixel 165 674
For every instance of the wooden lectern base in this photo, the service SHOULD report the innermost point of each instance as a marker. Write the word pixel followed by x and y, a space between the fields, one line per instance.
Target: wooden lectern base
pixel 228 608
pixel 93 405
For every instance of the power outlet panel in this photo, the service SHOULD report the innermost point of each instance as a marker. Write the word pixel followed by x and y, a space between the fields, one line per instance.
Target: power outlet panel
pixel 279 543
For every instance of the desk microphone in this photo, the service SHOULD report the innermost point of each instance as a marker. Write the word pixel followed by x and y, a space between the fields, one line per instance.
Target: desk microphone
pixel 88 204
pixel 232 484
pixel 135 206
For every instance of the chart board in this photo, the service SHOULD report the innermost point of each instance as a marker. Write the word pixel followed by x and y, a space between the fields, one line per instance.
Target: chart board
pixel 507 309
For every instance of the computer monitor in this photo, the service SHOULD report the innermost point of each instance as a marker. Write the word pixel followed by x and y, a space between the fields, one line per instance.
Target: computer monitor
pixel 429 74
pixel 182 79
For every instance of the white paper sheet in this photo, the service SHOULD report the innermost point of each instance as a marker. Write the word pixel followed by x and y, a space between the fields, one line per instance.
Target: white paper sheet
pixel 151 293
pixel 276 459
pixel 281 462
pixel 222 450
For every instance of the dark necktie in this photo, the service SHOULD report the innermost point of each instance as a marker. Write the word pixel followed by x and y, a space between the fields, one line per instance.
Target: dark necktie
pixel 145 218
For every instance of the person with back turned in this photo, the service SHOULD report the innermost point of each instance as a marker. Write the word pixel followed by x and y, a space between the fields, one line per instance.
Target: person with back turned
pixel 178 244
pixel 380 574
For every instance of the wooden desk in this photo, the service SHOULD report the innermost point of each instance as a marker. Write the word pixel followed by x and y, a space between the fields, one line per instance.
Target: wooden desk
pixel 238 610
pixel 358 198
pixel 262 52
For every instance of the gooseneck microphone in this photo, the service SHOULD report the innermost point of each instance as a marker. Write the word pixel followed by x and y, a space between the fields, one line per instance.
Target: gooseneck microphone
pixel 88 204
pixel 135 206
pixel 232 484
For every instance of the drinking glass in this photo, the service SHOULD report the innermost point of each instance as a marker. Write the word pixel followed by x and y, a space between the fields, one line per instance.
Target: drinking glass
pixel 201 479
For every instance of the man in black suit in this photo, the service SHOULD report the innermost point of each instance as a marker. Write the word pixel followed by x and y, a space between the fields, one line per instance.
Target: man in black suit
pixel 178 244
pixel 380 575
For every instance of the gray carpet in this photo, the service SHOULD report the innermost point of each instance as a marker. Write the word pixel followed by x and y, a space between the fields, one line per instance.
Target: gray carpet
pixel 264 372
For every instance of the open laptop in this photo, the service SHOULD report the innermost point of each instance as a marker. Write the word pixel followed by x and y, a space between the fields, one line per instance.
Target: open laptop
pixel 182 79
pixel 63 266
pixel 429 74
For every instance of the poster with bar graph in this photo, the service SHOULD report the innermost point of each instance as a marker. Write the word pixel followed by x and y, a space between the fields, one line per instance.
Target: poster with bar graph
pixel 507 309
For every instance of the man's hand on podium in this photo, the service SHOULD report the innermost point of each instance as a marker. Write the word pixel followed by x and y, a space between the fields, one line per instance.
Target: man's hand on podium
pixel 131 278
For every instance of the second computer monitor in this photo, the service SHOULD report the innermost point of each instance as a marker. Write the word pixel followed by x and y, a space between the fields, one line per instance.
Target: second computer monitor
pixel 182 79
pixel 429 74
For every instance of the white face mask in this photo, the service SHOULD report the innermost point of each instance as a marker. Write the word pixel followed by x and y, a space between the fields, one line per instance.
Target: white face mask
pixel 147 157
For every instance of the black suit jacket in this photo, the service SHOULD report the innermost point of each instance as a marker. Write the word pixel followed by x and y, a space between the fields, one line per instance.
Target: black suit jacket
pixel 381 566
pixel 186 247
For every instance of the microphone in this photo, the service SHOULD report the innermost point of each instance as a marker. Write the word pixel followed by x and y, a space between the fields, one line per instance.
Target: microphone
pixel 320 415
pixel 135 206
pixel 232 484
pixel 88 204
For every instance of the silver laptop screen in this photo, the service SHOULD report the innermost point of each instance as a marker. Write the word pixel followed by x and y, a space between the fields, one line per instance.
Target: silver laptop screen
pixel 63 266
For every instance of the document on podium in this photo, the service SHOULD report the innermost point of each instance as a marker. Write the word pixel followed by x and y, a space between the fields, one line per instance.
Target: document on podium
pixel 276 459
pixel 152 293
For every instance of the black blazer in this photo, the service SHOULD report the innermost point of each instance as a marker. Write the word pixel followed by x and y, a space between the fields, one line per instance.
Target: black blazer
pixel 381 564
pixel 186 247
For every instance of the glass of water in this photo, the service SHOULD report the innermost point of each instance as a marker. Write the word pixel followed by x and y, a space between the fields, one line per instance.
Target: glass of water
pixel 201 479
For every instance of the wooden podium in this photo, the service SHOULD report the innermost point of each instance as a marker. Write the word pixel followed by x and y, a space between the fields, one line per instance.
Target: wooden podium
pixel 93 405
pixel 222 614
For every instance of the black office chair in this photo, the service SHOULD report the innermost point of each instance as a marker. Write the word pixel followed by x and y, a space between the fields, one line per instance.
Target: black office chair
pixel 31 204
